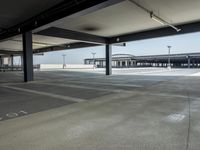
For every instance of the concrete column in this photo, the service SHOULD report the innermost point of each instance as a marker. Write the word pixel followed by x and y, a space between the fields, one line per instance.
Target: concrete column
pixel 126 63
pixel 22 62
pixel 188 62
pixel 101 64
pixel 0 61
pixel 193 64
pixel 108 59
pixel 131 63
pixel 135 64
pixel 118 64
pixel 114 64
pixel 121 64
pixel 27 56
pixel 11 61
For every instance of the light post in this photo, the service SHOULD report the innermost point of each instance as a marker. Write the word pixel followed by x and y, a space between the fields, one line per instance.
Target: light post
pixel 64 64
pixel 93 54
pixel 169 63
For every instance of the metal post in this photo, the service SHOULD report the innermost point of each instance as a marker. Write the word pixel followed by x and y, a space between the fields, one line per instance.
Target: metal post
pixel 93 54
pixel 64 63
pixel 27 56
pixel 169 65
pixel 188 61
pixel 1 62
pixel 193 64
pixel 108 59
pixel 11 56
pixel 22 63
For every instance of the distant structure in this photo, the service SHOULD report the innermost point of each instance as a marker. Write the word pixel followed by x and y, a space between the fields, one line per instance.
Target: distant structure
pixel 185 60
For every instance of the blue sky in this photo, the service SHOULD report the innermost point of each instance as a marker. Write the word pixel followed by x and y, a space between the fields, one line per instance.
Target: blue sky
pixel 186 43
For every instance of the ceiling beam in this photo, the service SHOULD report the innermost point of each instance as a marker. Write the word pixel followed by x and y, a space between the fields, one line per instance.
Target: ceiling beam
pixel 67 8
pixel 52 48
pixel 9 52
pixel 65 47
pixel 155 33
pixel 73 35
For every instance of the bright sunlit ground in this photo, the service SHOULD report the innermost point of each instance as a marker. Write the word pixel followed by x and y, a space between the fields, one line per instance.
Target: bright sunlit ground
pixel 139 71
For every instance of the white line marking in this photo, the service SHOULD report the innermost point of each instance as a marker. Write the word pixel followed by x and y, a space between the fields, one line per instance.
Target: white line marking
pixel 125 91
pixel 101 83
pixel 1 118
pixel 144 72
pixel 84 87
pixel 23 112
pixel 11 115
pixel 67 98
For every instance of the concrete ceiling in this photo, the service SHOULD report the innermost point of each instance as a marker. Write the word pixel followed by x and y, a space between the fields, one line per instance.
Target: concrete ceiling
pixel 39 41
pixel 126 17
pixel 121 18
pixel 13 12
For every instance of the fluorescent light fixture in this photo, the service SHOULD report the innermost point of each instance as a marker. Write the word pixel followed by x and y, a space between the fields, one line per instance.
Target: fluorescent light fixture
pixel 41 44
pixel 163 22
pixel 155 17
pixel 177 29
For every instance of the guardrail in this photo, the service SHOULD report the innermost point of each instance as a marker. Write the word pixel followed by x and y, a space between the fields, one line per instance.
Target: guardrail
pixel 6 68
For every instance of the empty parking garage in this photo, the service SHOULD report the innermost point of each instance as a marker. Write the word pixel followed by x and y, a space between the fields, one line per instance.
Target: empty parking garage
pixel 109 108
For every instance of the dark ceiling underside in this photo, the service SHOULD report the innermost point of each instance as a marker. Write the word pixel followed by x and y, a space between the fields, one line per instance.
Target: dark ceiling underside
pixel 26 21
pixel 15 12
pixel 27 15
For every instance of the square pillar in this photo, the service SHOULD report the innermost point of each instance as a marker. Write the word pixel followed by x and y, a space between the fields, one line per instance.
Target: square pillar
pixel 12 61
pixel 0 62
pixel 27 56
pixel 22 62
pixel 188 62
pixel 108 59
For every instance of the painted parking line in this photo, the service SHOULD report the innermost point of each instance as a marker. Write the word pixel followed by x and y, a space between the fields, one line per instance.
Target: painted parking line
pixel 144 72
pixel 67 98
pixel 87 87
pixel 23 112
pixel 12 115
pixel 103 83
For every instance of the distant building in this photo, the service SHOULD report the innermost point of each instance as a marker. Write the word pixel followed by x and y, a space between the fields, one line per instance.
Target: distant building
pixel 185 60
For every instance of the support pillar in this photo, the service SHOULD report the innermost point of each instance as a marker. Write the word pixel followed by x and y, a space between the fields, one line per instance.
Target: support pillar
pixel 193 64
pixel 27 56
pixel 108 59
pixel 188 62
pixel 121 64
pixel 0 61
pixel 11 61
pixel 22 62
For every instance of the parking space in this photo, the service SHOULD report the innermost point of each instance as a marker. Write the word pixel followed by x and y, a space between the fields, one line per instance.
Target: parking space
pixel 14 103
pixel 72 110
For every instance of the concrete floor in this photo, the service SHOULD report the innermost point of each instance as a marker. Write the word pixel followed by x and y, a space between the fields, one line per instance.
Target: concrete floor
pixel 65 110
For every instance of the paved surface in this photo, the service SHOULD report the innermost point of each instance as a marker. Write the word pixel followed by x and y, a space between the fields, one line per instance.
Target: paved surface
pixel 159 110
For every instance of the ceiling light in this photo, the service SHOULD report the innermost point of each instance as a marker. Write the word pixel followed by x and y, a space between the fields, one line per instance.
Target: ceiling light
pixel 155 17
pixel 163 22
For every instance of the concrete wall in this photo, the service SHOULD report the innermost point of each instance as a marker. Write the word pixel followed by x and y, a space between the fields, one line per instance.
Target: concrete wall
pixel 69 66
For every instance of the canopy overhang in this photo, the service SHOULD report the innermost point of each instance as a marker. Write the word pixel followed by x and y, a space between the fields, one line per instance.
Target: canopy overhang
pixel 60 25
